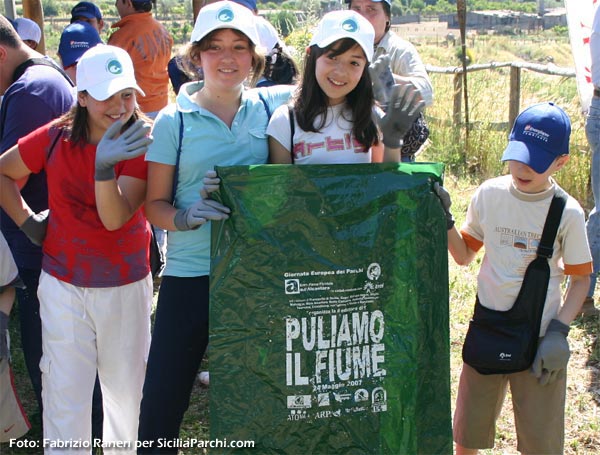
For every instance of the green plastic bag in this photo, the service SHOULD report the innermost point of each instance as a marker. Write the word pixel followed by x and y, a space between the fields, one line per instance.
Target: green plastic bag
pixel 329 329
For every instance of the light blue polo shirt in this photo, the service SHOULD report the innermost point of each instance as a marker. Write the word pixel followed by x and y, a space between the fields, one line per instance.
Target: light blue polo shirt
pixel 207 142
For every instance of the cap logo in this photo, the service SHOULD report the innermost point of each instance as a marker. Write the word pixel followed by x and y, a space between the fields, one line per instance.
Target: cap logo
pixel 75 44
pixel 114 66
pixel 350 25
pixel 535 133
pixel 225 15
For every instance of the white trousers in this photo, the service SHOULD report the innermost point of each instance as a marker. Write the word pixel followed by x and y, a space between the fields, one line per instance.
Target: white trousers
pixel 85 330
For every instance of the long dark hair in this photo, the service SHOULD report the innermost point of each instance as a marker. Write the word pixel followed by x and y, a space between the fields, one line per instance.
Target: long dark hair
pixel 74 123
pixel 310 100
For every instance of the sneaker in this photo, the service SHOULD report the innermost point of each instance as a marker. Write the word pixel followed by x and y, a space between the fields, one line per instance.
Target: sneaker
pixel 204 378
pixel 588 308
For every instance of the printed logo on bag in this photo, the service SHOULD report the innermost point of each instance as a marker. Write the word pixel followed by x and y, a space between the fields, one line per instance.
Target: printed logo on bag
pixel 114 66
pixel 350 26
pixel 505 356
pixel 225 15
pixel 299 401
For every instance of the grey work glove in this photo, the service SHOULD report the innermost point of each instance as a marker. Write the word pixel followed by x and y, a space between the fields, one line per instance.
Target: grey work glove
pixel 3 335
pixel 211 183
pixel 114 148
pixel 404 107
pixel 35 227
pixel 383 80
pixel 199 213
pixel 444 197
pixel 552 354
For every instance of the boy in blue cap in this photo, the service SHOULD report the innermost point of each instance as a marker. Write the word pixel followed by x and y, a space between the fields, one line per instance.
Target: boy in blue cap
pixel 88 12
pixel 506 216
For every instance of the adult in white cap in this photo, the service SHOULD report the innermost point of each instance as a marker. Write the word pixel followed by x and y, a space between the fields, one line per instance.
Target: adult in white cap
pixel 227 122
pixel 335 101
pixel 95 287
pixel 404 62
pixel 29 31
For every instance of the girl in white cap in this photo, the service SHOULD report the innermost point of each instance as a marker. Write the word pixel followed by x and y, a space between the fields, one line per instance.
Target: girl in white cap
pixel 95 288
pixel 214 122
pixel 332 118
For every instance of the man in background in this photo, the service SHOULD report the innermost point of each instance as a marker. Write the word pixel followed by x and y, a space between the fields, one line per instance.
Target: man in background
pixel 149 44
pixel 88 12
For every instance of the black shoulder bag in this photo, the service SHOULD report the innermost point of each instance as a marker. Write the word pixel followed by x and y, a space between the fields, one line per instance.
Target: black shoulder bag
pixel 502 342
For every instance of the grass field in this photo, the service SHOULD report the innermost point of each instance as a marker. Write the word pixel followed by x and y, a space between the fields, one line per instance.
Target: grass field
pixel 466 168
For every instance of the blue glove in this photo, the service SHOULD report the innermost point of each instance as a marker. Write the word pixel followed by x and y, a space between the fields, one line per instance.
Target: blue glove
pixel 199 213
pixel 553 353
pixel 444 197
pixel 382 79
pixel 35 227
pixel 3 335
pixel 114 147
pixel 405 106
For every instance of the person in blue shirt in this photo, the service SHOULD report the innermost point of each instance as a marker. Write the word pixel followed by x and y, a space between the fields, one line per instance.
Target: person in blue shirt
pixel 216 122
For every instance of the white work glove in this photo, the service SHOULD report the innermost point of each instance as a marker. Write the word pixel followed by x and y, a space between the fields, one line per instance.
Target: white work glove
pixel 403 109
pixel 552 354
pixel 111 149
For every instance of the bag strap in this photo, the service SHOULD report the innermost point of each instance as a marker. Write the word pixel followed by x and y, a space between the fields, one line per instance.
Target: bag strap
pixel 546 246
pixel 19 70
pixel 264 101
pixel 176 173
pixel 292 130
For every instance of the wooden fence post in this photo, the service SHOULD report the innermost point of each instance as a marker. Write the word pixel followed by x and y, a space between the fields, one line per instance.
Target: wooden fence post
pixel 515 94
pixel 456 111
pixel 32 9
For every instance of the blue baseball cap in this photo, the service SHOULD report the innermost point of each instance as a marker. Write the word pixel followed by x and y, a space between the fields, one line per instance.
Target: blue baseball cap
pixel 250 4
pixel 75 39
pixel 389 2
pixel 86 9
pixel 540 135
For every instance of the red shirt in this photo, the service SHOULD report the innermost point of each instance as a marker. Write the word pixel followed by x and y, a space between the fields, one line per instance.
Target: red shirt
pixel 78 249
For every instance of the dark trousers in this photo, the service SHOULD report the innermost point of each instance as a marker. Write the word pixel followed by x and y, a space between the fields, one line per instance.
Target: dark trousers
pixel 31 342
pixel 178 344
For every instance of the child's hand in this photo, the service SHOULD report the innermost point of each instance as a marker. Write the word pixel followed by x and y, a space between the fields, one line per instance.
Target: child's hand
pixel 3 335
pixel 211 184
pixel 405 106
pixel 383 80
pixel 553 353
pixel 34 227
pixel 199 213
pixel 112 149
pixel 444 197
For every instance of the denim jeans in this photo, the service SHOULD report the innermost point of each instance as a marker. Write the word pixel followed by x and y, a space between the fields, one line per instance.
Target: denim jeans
pixel 592 131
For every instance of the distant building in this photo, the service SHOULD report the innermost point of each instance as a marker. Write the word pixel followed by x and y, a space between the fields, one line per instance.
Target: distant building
pixel 508 20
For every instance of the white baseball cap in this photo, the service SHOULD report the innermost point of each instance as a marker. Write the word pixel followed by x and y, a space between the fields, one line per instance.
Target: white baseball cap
pixel 28 29
pixel 345 24
pixel 225 14
pixel 104 70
